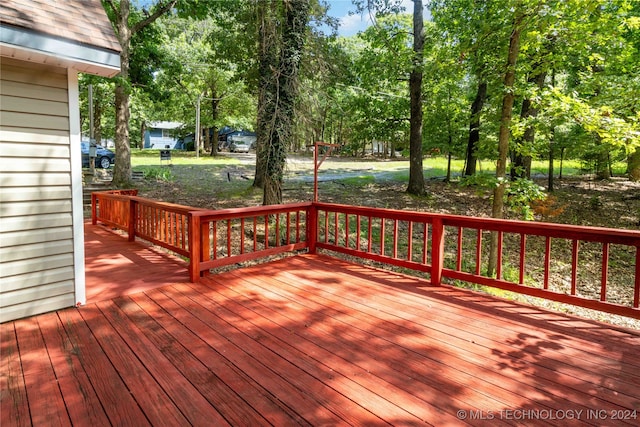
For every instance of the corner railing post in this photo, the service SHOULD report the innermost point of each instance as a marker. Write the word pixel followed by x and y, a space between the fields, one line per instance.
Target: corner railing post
pixel 132 219
pixel 194 247
pixel 437 251
pixel 94 208
pixel 312 227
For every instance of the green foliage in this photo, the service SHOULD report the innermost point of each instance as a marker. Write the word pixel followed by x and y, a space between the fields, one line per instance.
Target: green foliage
pixel 520 194
pixel 162 173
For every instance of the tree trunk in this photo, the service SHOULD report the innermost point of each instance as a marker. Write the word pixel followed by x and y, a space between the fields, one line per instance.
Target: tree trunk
pixel 551 159
pixel 503 137
pixel 633 163
pixel 416 174
pixel 122 167
pixel 293 38
pixel 474 129
pixel 267 61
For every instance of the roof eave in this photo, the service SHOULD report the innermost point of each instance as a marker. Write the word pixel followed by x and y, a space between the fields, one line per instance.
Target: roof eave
pixel 26 45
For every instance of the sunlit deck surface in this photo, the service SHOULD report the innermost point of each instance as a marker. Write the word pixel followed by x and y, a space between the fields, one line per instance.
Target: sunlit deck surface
pixel 306 340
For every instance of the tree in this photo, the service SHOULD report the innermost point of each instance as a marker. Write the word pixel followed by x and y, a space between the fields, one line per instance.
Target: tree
pixel 416 174
pixel 278 88
pixel 120 14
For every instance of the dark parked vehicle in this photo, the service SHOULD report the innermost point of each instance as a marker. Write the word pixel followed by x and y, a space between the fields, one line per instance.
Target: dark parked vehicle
pixel 104 157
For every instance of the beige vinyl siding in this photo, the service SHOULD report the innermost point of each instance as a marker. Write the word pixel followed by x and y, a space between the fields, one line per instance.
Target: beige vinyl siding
pixel 36 219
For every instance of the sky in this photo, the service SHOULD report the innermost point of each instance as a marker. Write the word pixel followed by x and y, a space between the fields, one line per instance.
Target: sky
pixel 352 24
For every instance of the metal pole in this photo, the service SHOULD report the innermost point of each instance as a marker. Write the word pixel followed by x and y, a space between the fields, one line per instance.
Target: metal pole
pixel 315 171
pixel 197 136
pixel 92 141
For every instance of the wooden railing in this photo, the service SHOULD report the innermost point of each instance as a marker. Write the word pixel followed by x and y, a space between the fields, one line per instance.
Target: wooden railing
pixel 231 236
pixel 164 224
pixel 590 267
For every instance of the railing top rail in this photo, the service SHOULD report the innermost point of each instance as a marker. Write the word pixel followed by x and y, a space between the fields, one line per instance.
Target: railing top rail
pixel 221 214
pixel 578 232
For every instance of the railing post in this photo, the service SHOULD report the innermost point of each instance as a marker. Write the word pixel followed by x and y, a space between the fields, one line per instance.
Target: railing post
pixel 194 247
pixel 132 220
pixel 312 227
pixel 94 209
pixel 437 251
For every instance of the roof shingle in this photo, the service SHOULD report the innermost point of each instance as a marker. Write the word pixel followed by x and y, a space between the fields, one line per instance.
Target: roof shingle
pixel 81 21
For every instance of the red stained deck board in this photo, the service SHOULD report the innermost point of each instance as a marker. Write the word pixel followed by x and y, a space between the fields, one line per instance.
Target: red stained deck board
pixel 308 340
pixel 188 401
pixel 14 410
pixel 519 360
pixel 303 388
pixel 82 403
pixel 422 368
pixel 39 378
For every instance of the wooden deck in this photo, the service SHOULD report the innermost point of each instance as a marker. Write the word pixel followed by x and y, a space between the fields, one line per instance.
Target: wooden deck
pixel 309 340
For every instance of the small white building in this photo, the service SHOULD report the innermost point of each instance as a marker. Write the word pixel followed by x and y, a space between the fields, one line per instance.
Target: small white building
pixel 162 135
pixel 44 44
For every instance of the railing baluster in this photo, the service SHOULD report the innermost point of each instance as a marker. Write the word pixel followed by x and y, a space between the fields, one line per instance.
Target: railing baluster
pixel 410 241
pixel 241 235
pixel 346 230
pixel 288 229
pixel 277 238
pixel 459 249
pixel 358 247
pixel 425 242
pixel 605 271
pixel 229 238
pixel 266 231
pixel 255 233
pixel 214 232
pixel 395 238
pixel 478 251
pixel 574 266
pixel 523 249
pixel 382 232
pixel 547 262
pixel 326 226
pixel 369 235
pixel 336 239
pixel 499 260
pixel 636 287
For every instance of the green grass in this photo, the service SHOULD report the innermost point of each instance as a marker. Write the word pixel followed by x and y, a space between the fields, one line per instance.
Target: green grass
pixel 178 157
pixel 358 181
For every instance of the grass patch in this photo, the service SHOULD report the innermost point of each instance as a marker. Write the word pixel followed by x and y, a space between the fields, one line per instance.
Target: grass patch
pixel 358 181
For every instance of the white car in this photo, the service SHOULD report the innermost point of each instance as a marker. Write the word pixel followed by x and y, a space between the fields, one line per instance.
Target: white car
pixel 239 147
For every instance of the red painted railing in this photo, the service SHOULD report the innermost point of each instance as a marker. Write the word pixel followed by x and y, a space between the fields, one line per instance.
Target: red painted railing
pixel 455 247
pixel 575 260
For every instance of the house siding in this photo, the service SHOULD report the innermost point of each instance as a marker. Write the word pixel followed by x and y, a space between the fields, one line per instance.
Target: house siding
pixel 37 272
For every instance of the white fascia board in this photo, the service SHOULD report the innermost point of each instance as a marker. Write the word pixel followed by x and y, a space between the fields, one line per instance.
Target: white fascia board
pixel 20 43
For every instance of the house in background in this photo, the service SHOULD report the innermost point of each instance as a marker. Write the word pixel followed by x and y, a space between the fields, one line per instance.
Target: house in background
pixel 44 44
pixel 162 135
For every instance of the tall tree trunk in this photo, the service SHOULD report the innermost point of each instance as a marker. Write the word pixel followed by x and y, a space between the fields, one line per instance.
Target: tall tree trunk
pixel 474 129
pixel 124 32
pixel 416 174
pixel 551 160
pixel 122 167
pixel 267 62
pixel 293 38
pixel 215 113
pixel 503 137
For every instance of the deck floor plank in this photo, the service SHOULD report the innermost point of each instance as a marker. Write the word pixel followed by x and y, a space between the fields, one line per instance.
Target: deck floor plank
pixel 119 404
pixel 306 340
pixel 39 376
pixel 14 409
pixel 515 354
pixel 157 406
pixel 82 403
pixel 141 310
pixel 313 330
pixel 188 400
pixel 321 396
